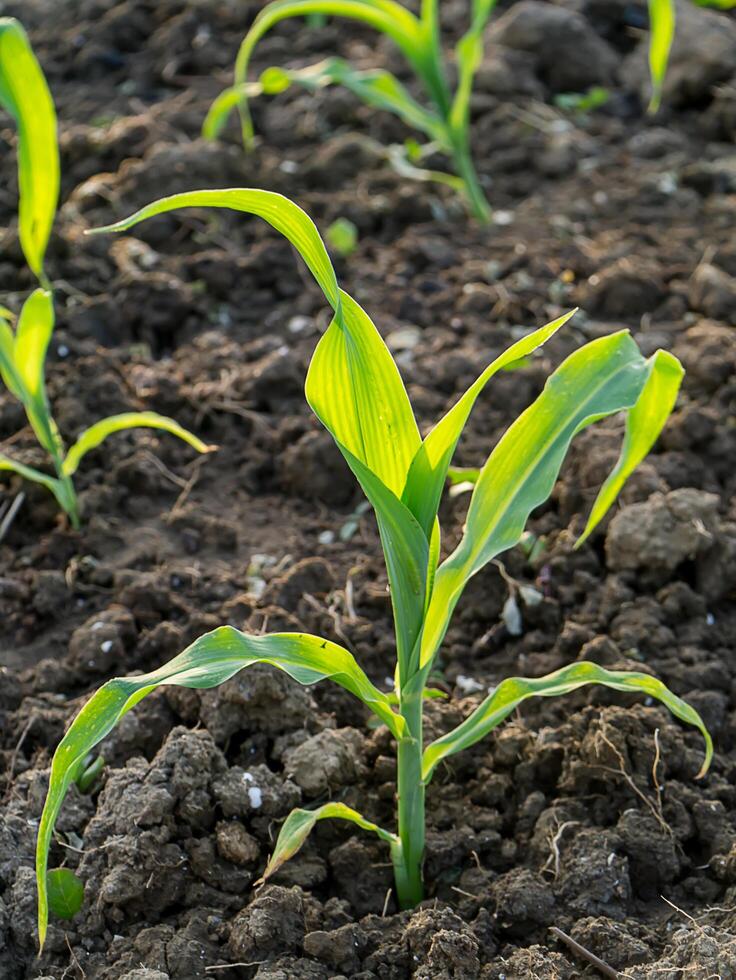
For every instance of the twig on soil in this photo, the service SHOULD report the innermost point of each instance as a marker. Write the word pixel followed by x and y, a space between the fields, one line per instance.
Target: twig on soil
pixel 555 846
pixel 621 771
pixel 231 966
pixel 164 470
pixel 386 900
pixel 186 490
pixel 10 516
pixel 585 954
pixel 75 961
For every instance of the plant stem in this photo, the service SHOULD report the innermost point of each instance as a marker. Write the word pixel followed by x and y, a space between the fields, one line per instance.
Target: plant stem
pixel 408 860
pixel 476 198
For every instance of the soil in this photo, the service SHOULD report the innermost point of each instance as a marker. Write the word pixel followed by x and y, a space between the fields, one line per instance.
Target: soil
pixel 581 813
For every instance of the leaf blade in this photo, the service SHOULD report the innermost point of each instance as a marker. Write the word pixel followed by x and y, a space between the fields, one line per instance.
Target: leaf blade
pixel 281 213
pixel 300 823
pixel 511 692
pixel 601 378
pixel 644 423
pixel 430 464
pixel 25 95
pixel 97 433
pixel 661 36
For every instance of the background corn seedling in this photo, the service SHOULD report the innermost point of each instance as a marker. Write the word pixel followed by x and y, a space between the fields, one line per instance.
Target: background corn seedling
pixel 354 387
pixel 445 122
pixel 25 94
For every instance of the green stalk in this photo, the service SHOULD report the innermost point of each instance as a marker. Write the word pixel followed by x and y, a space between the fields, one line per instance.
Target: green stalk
pixel 465 168
pixel 408 859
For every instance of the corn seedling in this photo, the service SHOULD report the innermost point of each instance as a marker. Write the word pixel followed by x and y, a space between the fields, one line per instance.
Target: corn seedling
pixel 444 120
pixel 354 387
pixel 25 94
pixel 22 368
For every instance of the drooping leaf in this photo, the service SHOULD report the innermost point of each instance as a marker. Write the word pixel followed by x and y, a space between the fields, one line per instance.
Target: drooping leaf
pixel 66 893
pixel 30 473
pixel 25 95
pixel 661 36
pixel 386 16
pixel 511 692
pixel 97 433
pixel 430 464
pixel 209 661
pixel 281 213
pixel 644 423
pixel 376 88
pixel 603 377
pixel 300 823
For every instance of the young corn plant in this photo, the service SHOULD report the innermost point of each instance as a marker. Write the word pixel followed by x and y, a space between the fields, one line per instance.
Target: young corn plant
pixel 354 387
pixel 25 95
pixel 444 120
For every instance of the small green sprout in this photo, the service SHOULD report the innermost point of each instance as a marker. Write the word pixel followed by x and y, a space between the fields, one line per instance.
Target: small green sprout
pixel 444 120
pixel 66 893
pixel 25 94
pixel 342 237
pixel 354 387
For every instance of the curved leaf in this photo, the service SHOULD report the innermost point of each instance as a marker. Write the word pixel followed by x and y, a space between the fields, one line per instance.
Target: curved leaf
pixel 377 88
pixel 386 16
pixel 97 433
pixel 25 94
pixel 511 692
pixel 281 213
pixel 661 36
pixel 644 423
pixel 209 661
pixel 603 377
pixel 299 825
pixel 431 462
pixel 30 473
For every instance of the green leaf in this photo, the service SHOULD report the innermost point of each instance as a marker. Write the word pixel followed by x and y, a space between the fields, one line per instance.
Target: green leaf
pixel 66 893
pixel 281 213
pixel 97 433
pixel 30 473
pixel 430 465
pixel 355 389
pixel 299 824
pixel 469 55
pixel 342 236
pixel 386 16
pixel 661 36
pixel 32 336
pixel 25 95
pixel 603 377
pixel 376 88
pixel 209 661
pixel 644 423
pixel 510 693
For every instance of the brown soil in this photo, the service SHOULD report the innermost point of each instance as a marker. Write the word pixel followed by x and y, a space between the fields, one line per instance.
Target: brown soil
pixel 560 819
